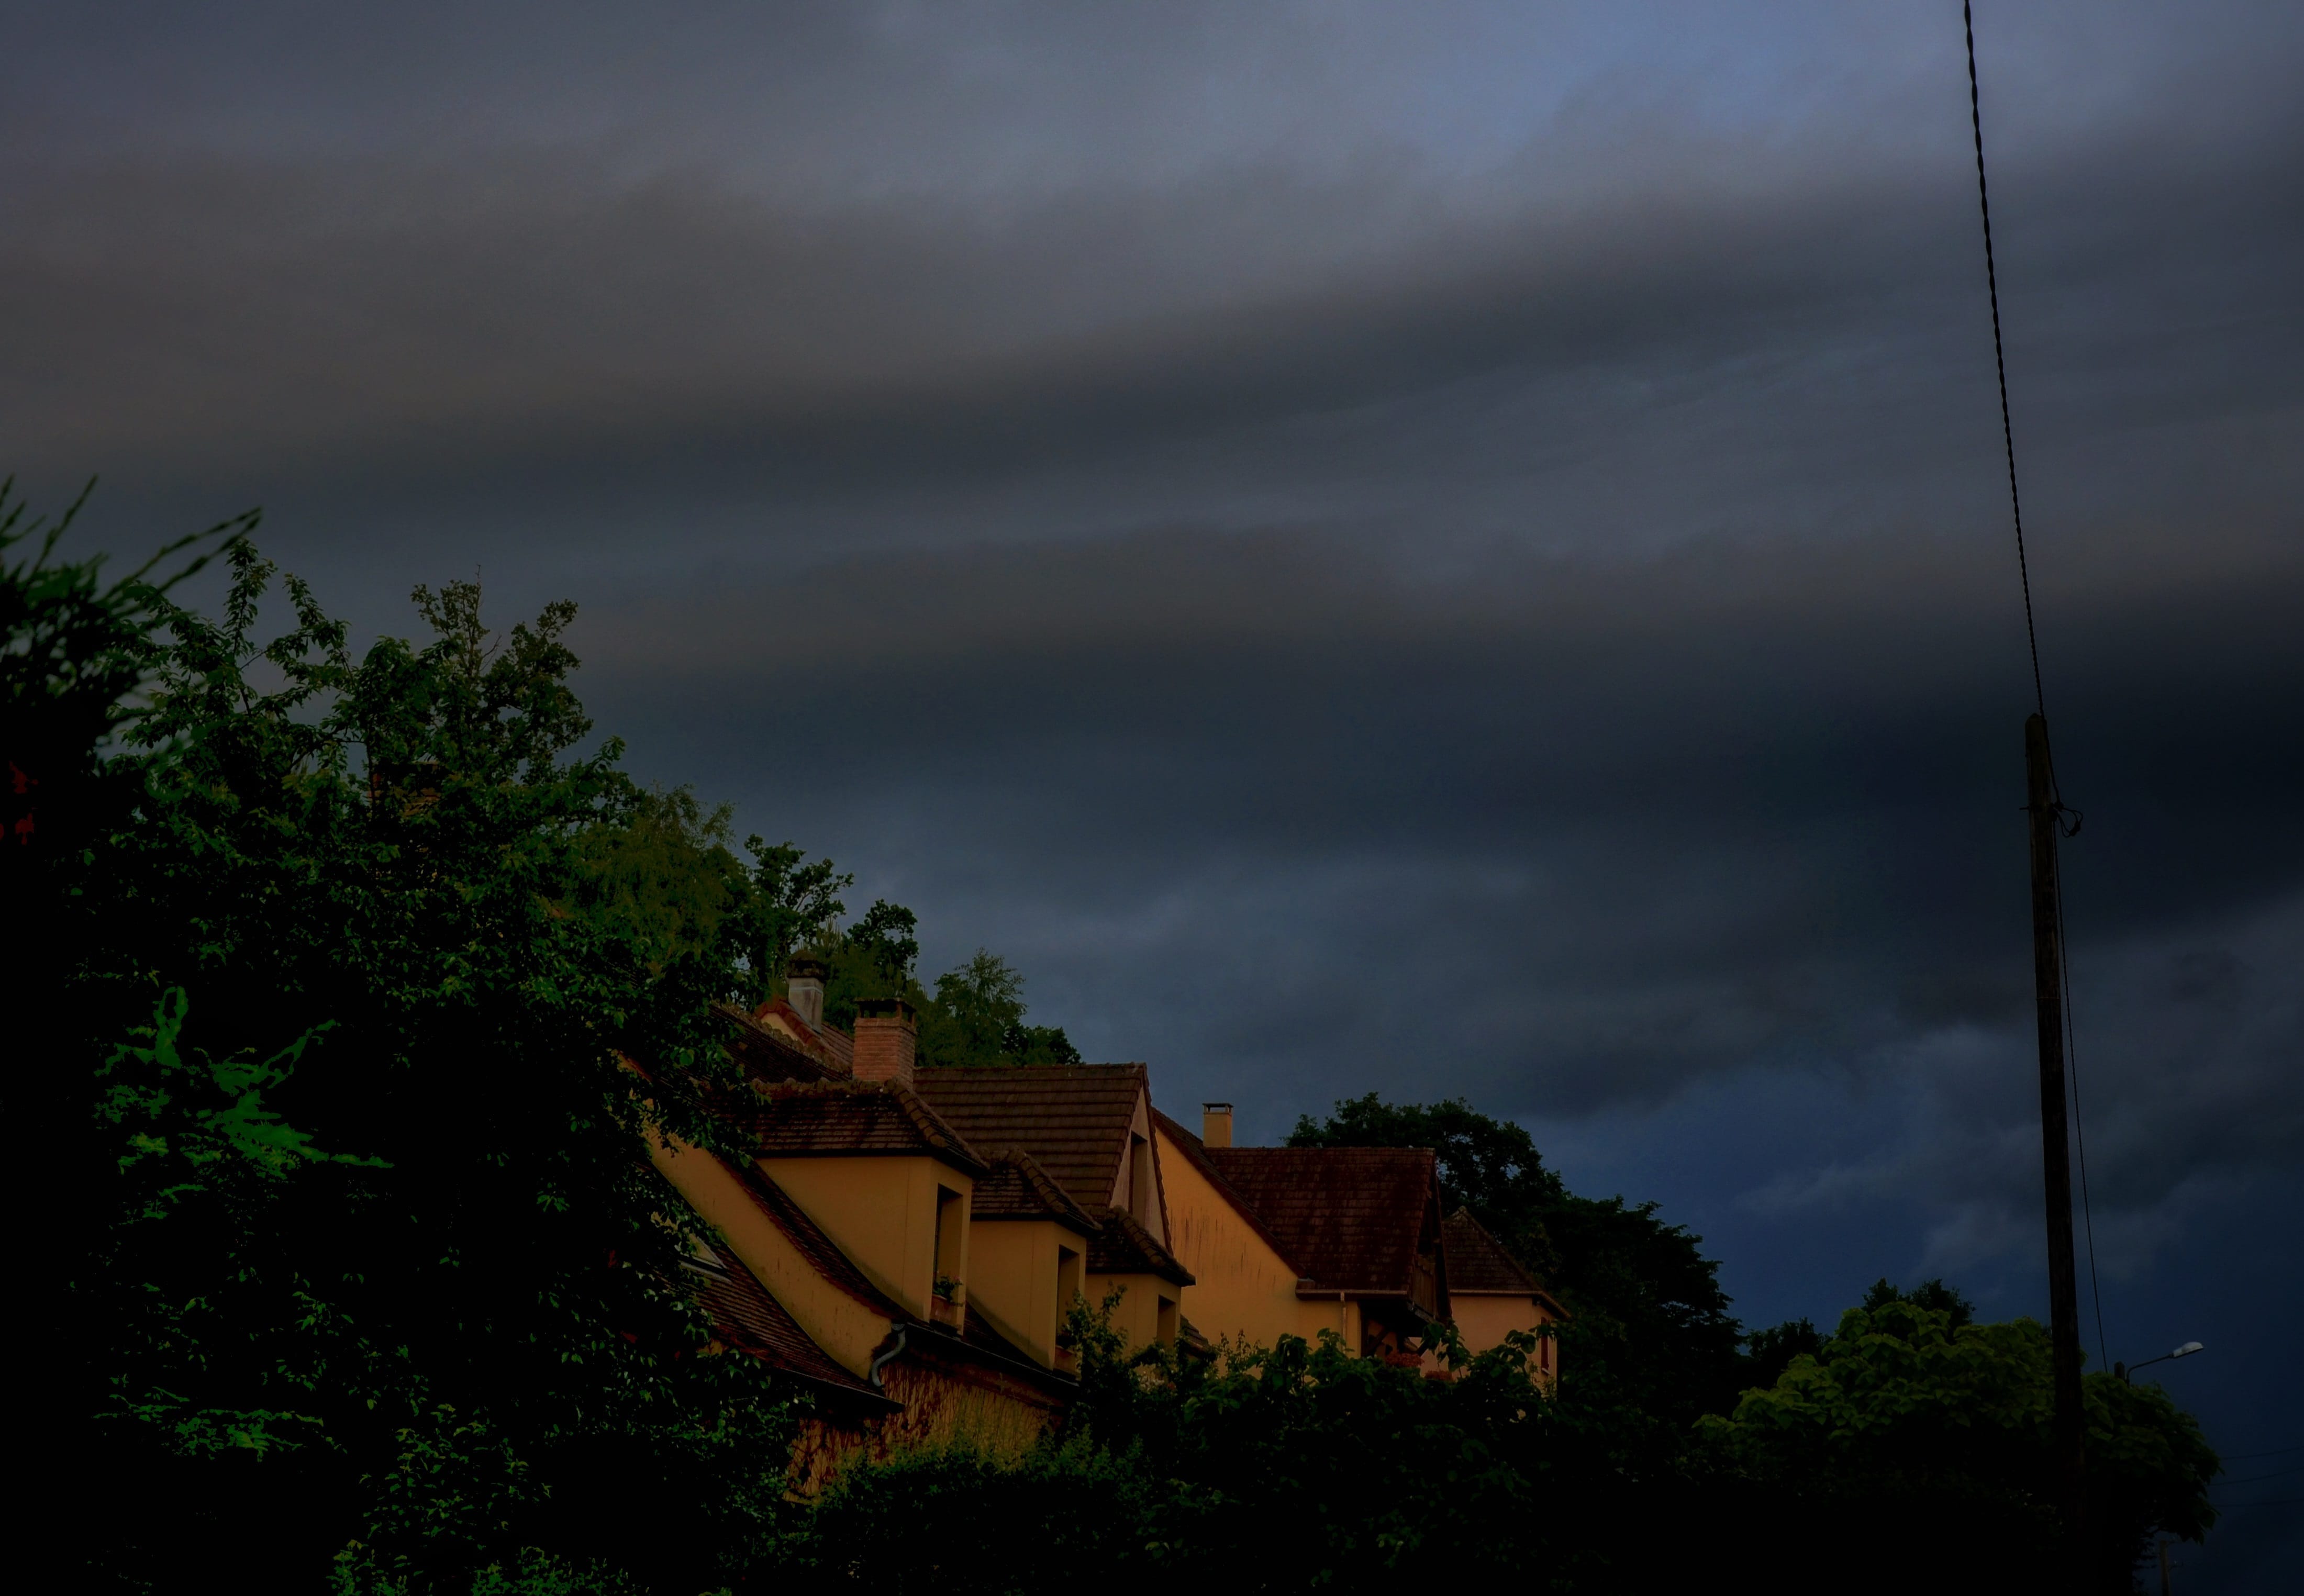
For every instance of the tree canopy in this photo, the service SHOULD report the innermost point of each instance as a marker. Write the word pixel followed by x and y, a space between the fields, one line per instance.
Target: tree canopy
pixel 362 1266
pixel 1911 1416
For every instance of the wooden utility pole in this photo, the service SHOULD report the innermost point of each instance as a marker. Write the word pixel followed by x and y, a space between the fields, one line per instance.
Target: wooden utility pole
pixel 2055 1148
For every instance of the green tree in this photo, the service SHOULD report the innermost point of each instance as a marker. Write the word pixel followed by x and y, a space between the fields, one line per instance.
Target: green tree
pixel 1770 1351
pixel 1908 1426
pixel 976 1018
pixel 337 963
pixel 792 902
pixel 873 958
pixel 1933 1295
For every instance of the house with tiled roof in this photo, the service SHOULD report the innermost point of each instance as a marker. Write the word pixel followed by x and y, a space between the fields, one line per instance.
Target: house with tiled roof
pixel 841 1206
pixel 902 1245
pixel 1090 1127
pixel 1492 1295
pixel 1295 1241
pixel 1298 1240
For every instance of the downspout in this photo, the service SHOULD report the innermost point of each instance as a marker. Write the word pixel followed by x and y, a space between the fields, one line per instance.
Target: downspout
pixel 882 1360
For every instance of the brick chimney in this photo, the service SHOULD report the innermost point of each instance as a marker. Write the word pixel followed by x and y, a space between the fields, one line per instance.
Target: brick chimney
pixel 1215 1124
pixel 887 1039
pixel 804 988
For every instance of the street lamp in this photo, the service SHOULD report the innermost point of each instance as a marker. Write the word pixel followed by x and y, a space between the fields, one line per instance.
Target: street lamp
pixel 2124 1370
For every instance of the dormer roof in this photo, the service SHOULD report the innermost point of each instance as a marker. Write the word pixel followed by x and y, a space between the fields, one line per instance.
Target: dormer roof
pixel 1073 1119
pixel 1122 1247
pixel 846 1119
pixel 1015 1187
pixel 837 1048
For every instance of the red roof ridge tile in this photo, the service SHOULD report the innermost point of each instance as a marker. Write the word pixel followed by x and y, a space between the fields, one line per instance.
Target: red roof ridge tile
pixel 758 1036
pixel 833 1045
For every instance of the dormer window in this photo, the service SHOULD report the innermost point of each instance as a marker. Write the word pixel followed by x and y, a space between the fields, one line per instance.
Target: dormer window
pixel 701 1257
pixel 946 1286
pixel 1139 1179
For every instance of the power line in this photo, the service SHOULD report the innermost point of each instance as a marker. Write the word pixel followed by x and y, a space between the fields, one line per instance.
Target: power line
pixel 2000 359
pixel 2032 641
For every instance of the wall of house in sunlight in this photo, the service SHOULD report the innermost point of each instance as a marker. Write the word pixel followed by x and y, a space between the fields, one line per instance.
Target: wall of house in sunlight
pixel 848 1330
pixel 1148 1308
pixel 885 1214
pixel 1242 1290
pixel 1014 1266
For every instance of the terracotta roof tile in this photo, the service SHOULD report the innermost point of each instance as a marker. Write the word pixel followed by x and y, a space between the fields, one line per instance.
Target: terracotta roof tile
pixel 1196 1156
pixel 1016 1187
pixel 1478 1262
pixel 1122 1247
pixel 766 1054
pixel 1351 1218
pixel 1072 1118
pixel 835 1047
pixel 828 1119
pixel 746 1315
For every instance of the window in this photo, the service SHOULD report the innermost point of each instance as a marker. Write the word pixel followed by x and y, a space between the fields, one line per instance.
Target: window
pixel 1068 1280
pixel 1163 1328
pixel 952 1214
pixel 1139 1179
pixel 701 1257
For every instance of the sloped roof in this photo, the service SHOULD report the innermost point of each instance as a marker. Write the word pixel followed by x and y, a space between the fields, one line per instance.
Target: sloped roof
pixel 836 1047
pixel 1197 1155
pixel 766 1054
pixel 1016 1187
pixel 746 1315
pixel 1072 1118
pixel 1478 1262
pixel 1351 1218
pixel 829 1118
pixel 1122 1247
pixel 808 1239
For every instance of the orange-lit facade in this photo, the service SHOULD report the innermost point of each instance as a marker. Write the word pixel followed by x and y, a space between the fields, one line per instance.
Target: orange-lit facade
pixel 904 1244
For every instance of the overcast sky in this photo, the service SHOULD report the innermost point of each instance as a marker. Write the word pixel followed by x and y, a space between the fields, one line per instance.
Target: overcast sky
pixel 1427 549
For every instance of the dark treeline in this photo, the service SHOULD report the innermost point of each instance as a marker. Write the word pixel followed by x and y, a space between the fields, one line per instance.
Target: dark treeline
pixel 344 1272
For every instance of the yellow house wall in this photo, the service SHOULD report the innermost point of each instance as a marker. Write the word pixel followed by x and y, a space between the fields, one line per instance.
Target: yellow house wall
pixel 1011 1280
pixel 1318 1314
pixel 1137 1314
pixel 1241 1289
pixel 882 1212
pixel 1484 1320
pixel 847 1330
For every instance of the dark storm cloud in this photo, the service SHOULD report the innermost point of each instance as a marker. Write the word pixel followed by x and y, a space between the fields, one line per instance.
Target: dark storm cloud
pixel 1740 805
